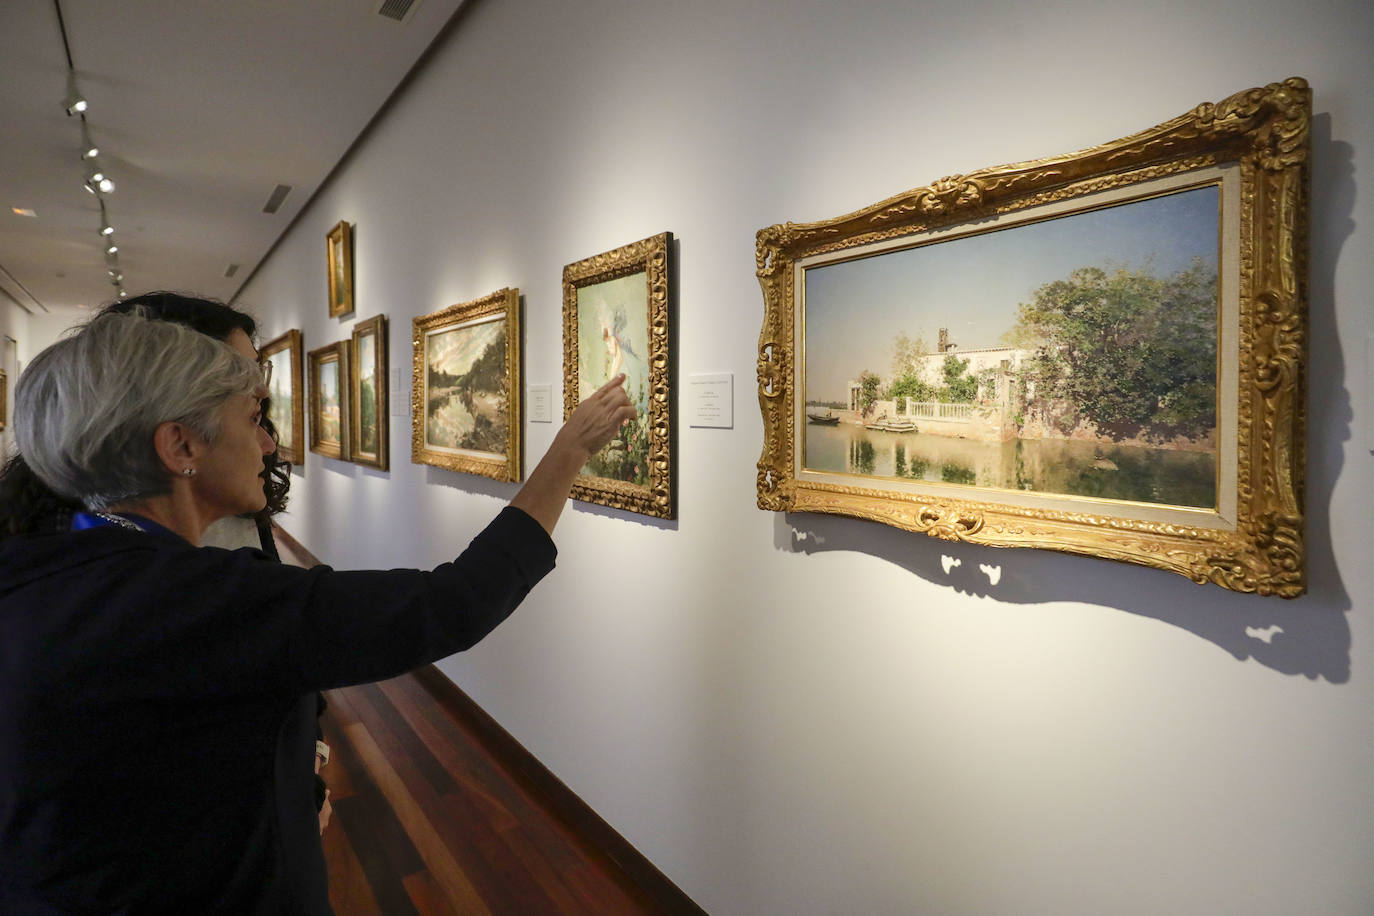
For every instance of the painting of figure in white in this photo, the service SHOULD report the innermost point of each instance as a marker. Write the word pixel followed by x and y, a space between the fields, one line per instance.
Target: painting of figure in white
pixel 613 338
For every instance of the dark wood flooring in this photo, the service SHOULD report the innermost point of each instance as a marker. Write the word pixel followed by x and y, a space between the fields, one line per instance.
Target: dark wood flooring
pixel 438 811
pixel 426 821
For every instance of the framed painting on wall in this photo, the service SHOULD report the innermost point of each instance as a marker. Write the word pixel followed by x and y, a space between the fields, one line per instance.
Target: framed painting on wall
pixel 339 259
pixel 465 403
pixel 617 308
pixel 329 401
pixel 1101 353
pixel 286 394
pixel 4 400
pixel 369 426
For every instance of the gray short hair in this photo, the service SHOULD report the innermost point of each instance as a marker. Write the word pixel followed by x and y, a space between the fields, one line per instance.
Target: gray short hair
pixel 86 408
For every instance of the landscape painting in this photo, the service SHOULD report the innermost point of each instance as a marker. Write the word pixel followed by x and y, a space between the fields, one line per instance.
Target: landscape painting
pixel 617 318
pixel 1084 364
pixel 467 387
pixel 369 429
pixel 1102 352
pixel 329 400
pixel 285 407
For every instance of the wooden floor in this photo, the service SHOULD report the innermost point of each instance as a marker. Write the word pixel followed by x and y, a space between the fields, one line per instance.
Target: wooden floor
pixel 427 821
pixel 437 810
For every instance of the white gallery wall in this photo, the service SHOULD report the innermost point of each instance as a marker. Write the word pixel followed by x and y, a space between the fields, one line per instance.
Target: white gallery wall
pixel 809 714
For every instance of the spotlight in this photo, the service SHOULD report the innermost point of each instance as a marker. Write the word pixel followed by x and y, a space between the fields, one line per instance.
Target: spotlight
pixel 75 102
pixel 112 249
pixel 105 228
pixel 88 149
pixel 105 185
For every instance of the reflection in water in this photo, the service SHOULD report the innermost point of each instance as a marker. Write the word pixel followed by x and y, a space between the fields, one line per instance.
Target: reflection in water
pixel 1055 466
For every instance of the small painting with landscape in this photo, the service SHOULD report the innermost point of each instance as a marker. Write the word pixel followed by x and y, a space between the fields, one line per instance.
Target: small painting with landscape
pixel 329 400
pixel 369 425
pixel 285 405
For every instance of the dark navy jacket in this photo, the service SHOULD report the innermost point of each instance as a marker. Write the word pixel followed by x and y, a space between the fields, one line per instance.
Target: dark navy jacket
pixel 145 686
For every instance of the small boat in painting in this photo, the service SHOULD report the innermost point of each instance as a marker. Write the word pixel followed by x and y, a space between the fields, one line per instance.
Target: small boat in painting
pixel 823 419
pixel 897 425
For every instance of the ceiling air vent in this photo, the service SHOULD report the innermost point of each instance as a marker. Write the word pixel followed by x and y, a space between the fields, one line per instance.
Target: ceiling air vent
pixel 231 270
pixel 398 10
pixel 274 201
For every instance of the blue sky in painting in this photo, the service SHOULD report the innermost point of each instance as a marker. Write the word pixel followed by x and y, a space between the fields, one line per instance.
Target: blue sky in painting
pixel 973 285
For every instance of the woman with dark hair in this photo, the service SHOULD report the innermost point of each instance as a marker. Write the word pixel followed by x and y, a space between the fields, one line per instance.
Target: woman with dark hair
pixel 28 506
pixel 145 683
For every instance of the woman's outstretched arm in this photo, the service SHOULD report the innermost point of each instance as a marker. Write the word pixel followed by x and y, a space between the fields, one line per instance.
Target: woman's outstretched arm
pixel 588 428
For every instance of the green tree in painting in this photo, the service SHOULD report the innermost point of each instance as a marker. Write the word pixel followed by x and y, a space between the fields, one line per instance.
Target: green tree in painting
pixel 906 376
pixel 868 392
pixel 486 377
pixel 1130 351
pixel 959 387
pixel 367 415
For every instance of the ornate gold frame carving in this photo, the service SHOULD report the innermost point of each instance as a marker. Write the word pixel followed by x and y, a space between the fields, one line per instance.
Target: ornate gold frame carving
pixel 375 326
pixel 4 400
pixel 651 257
pixel 291 343
pixel 335 352
pixel 504 305
pixel 1264 133
pixel 338 248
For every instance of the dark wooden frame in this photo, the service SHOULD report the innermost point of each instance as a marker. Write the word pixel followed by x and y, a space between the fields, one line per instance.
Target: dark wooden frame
pixel 376 326
pixel 335 352
pixel 291 342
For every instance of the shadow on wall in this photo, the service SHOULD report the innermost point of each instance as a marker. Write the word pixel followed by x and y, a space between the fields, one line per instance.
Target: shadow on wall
pixel 1308 635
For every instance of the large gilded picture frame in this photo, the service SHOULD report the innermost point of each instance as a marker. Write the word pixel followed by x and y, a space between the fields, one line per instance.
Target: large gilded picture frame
pixel 4 400
pixel 339 262
pixel 465 403
pixel 329 400
pixel 617 309
pixel 1101 353
pixel 369 427
pixel 286 394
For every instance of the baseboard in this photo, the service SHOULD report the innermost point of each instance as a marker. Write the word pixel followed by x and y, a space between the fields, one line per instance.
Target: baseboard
pixel 537 779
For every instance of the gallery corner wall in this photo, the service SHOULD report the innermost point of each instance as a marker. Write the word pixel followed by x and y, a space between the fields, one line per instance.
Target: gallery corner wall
pixel 808 714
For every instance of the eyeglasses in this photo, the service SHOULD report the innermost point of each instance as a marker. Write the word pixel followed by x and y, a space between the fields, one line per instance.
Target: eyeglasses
pixel 266 368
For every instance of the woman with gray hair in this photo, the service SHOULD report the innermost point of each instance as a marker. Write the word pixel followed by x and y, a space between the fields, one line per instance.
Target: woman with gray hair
pixel 143 681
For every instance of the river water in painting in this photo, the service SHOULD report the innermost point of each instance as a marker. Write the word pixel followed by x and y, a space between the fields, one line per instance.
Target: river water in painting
pixel 1051 466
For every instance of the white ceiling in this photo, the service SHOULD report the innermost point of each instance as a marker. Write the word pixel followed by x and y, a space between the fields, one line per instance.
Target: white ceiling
pixel 200 109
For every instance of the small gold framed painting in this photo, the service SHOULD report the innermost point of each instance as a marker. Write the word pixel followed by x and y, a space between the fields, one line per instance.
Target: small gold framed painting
pixel 617 308
pixel 286 394
pixel 369 428
pixel 465 403
pixel 329 400
pixel 339 251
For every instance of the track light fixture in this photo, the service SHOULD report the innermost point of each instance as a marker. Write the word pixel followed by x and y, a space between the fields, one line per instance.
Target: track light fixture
pixel 75 102
pixel 105 228
pixel 88 149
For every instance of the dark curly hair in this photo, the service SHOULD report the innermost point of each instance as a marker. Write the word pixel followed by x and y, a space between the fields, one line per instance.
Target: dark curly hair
pixel 27 506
